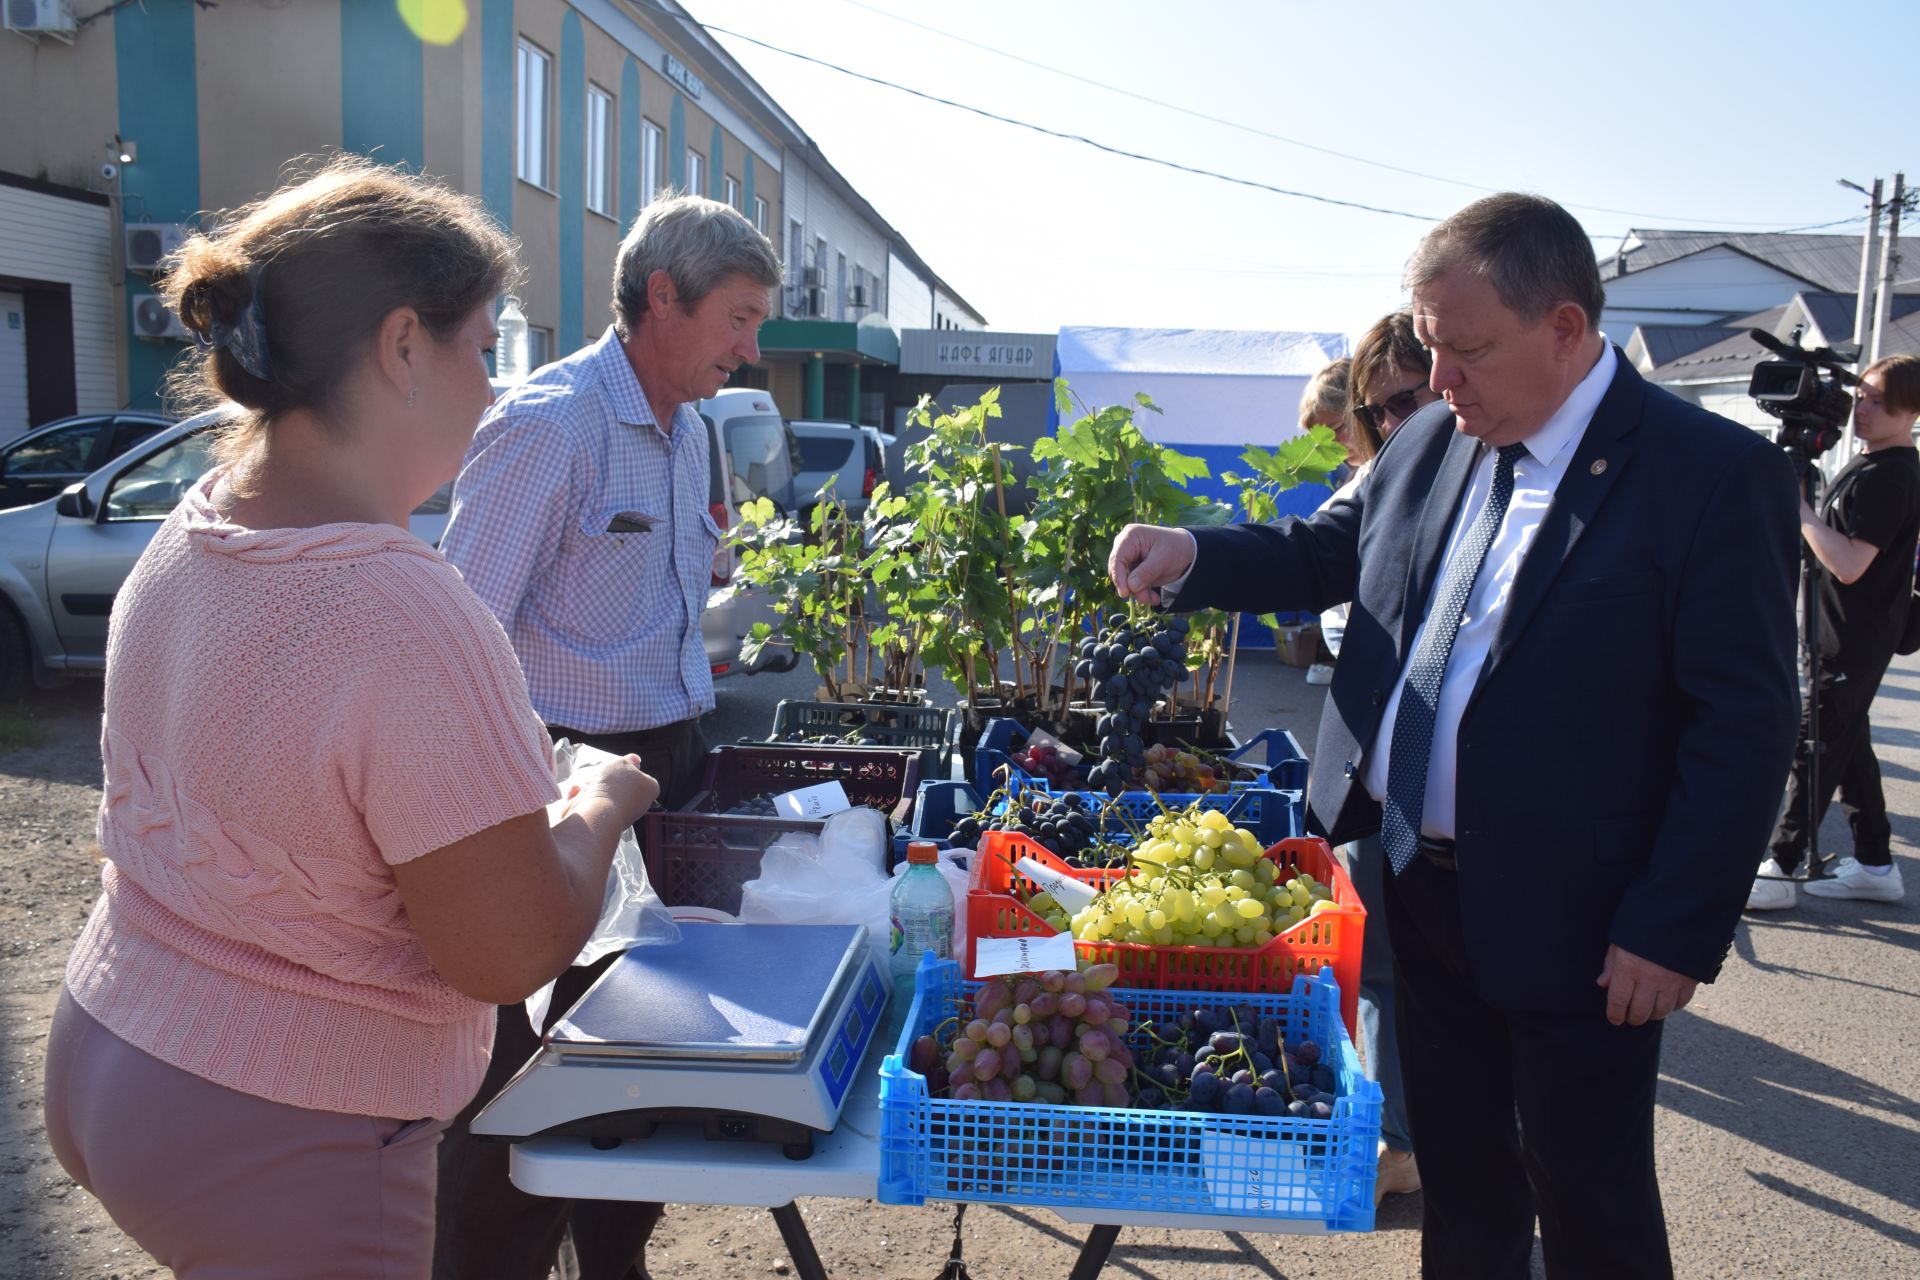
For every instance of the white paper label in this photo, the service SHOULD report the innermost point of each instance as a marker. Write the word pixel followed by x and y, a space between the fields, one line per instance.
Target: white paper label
pixel 1072 894
pixel 1259 1175
pixel 1041 738
pixel 1022 955
pixel 813 802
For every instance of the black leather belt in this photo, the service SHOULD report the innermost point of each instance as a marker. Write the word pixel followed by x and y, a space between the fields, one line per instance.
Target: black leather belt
pixel 1438 852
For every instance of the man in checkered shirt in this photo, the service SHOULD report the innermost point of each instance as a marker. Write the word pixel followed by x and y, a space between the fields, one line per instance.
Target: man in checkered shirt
pixel 581 520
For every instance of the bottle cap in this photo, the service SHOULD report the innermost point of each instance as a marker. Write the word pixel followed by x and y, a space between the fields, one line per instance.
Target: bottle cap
pixel 923 853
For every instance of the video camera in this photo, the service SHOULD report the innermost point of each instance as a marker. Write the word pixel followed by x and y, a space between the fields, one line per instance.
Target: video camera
pixel 1813 410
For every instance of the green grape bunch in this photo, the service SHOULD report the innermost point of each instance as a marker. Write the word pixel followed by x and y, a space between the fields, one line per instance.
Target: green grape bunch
pixel 1196 880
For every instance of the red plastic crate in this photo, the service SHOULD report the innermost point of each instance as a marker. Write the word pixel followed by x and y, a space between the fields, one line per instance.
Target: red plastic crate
pixel 995 909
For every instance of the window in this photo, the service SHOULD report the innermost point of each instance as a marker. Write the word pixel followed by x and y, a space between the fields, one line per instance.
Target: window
pixel 65 451
pixel 652 148
pixel 821 453
pixel 151 489
pixel 128 432
pixel 762 457
pixel 760 214
pixel 840 289
pixel 733 191
pixel 696 163
pixel 531 113
pixel 796 253
pixel 539 347
pixel 599 150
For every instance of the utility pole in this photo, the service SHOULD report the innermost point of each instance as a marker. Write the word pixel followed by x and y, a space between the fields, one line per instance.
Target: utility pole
pixel 1889 265
pixel 1863 297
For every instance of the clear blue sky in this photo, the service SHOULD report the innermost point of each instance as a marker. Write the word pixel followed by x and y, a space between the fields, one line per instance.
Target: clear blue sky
pixel 1672 114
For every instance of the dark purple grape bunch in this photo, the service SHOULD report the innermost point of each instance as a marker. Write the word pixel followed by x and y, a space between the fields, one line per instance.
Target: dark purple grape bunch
pixel 1061 824
pixel 1231 1061
pixel 1130 666
pixel 760 806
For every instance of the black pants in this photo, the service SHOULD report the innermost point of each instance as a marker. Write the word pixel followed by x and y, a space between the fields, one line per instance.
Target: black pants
pixel 1847 762
pixel 485 1228
pixel 1520 1115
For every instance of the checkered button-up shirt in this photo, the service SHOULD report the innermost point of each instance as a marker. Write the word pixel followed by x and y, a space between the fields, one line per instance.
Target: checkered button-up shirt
pixel 606 619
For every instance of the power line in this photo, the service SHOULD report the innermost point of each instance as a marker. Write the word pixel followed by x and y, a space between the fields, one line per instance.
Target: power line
pixel 1135 155
pixel 1075 137
pixel 1271 136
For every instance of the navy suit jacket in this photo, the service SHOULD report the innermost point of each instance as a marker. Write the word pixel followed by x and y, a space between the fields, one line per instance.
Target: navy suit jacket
pixel 1623 754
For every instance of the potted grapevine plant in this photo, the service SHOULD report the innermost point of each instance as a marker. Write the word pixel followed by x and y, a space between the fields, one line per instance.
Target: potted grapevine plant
pixel 814 585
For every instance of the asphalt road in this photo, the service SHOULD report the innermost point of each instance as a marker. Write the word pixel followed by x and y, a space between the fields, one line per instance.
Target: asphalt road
pixel 1789 1122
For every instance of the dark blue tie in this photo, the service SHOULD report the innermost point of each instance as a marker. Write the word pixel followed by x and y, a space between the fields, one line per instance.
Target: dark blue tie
pixel 1420 699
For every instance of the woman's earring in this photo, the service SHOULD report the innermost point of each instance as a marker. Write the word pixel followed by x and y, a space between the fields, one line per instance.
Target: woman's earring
pixel 411 393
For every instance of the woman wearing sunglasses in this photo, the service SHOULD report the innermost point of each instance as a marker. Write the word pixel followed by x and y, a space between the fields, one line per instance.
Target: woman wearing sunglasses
pixel 1386 385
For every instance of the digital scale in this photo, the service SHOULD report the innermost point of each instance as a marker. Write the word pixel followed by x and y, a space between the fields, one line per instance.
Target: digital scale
pixel 751 1031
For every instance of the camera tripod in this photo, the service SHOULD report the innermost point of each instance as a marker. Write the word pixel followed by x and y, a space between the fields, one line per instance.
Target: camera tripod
pixel 1813 575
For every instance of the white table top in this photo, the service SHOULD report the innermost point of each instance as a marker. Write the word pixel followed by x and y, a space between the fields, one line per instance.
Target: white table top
pixel 678 1165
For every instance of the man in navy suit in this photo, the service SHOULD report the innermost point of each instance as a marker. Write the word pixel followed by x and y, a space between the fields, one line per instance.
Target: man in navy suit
pixel 1566 700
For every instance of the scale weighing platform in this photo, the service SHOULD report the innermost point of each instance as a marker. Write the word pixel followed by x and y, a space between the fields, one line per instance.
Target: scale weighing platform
pixel 753 1032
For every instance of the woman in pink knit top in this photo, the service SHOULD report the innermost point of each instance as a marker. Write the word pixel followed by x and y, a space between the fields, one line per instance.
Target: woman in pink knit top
pixel 333 840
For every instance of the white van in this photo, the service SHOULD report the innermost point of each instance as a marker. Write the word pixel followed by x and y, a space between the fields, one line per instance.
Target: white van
pixel 751 453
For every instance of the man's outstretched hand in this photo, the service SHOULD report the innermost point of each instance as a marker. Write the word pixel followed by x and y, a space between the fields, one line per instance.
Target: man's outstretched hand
pixel 1145 557
pixel 1638 990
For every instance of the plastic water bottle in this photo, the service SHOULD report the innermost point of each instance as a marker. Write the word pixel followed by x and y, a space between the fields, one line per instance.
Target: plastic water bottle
pixel 922 914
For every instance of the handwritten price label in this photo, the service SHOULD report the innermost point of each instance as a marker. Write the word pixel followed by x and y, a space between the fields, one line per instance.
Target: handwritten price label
pixel 813 802
pixel 993 956
pixel 1262 1176
pixel 1064 889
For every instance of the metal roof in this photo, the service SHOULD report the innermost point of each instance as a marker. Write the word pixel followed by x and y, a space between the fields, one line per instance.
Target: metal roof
pixel 1668 342
pixel 1727 360
pixel 1732 357
pixel 1828 263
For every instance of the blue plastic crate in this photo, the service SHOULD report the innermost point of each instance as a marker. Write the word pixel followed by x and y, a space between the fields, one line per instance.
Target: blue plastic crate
pixel 1273 754
pixel 1116 1159
pixel 1278 753
pixel 1271 815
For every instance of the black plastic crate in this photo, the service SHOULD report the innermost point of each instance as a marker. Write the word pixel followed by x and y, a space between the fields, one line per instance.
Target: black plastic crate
pixel 699 857
pixel 885 725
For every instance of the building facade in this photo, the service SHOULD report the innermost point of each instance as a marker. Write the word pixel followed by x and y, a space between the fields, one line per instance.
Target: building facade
pixel 565 116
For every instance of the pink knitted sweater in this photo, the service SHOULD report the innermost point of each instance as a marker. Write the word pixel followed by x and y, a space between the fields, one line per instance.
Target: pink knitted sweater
pixel 289 712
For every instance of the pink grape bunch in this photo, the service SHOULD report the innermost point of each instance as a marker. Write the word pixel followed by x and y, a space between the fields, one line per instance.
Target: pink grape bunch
pixel 1052 1037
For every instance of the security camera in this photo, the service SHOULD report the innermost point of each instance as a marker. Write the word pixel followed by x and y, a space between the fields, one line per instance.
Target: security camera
pixel 109 171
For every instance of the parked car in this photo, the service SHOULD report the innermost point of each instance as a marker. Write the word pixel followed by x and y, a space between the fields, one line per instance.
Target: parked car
pixel 49 458
pixel 751 454
pixel 62 560
pixel 852 457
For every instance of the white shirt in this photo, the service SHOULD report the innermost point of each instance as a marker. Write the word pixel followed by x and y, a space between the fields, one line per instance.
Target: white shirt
pixel 1536 475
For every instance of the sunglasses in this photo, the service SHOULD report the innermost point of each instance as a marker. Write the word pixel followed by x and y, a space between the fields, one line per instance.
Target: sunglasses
pixel 1400 404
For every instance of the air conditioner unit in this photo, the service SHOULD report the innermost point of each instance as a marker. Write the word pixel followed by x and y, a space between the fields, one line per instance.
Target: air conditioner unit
pixel 812 277
pixel 149 243
pixel 35 18
pixel 856 295
pixel 151 319
pixel 814 302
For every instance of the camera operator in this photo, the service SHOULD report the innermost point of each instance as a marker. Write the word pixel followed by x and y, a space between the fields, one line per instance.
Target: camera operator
pixel 1864 537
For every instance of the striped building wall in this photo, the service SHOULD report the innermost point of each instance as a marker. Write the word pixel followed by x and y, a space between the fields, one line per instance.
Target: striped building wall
pixel 219 101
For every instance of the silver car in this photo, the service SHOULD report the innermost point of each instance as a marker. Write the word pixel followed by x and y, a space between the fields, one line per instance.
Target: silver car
pixel 62 560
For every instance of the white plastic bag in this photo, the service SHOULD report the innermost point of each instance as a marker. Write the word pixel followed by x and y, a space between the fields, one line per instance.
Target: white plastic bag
pixel 631 915
pixel 830 878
